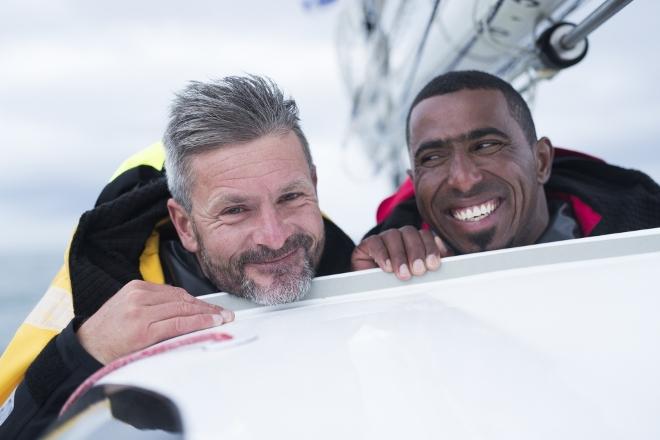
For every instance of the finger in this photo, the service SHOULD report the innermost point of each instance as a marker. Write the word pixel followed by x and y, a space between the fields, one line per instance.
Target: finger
pixel 394 243
pixel 371 253
pixel 164 293
pixel 143 293
pixel 163 311
pixel 360 260
pixel 445 251
pixel 415 249
pixel 181 325
pixel 433 252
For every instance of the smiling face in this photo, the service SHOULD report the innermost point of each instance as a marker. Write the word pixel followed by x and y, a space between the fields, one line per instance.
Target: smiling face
pixel 255 223
pixel 478 181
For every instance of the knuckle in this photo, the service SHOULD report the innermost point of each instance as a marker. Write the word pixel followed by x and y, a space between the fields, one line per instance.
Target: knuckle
pixel 369 241
pixel 180 325
pixel 132 312
pixel 390 233
pixel 182 294
pixel 179 290
pixel 135 284
pixel 426 234
pixel 133 289
pixel 408 229
pixel 370 245
pixel 184 308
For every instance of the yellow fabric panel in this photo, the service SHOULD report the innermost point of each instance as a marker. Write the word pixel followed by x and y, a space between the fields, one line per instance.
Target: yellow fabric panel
pixel 53 311
pixel 150 266
pixel 101 410
pixel 153 155
pixel 62 279
pixel 21 351
pixel 47 319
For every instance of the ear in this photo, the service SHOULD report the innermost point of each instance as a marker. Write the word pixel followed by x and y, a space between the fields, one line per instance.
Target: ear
pixel 545 154
pixel 183 224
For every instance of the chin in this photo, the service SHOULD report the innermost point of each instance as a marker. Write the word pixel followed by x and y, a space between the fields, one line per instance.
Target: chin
pixel 284 288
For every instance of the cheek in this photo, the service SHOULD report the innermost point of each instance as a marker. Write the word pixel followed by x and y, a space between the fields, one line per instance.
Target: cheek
pixel 425 193
pixel 225 243
pixel 522 181
pixel 309 220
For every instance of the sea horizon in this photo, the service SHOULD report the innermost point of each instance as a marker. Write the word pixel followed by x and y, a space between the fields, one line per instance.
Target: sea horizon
pixel 24 277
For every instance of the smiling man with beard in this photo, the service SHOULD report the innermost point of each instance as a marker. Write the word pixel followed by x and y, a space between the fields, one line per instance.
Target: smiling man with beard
pixel 235 211
pixel 482 180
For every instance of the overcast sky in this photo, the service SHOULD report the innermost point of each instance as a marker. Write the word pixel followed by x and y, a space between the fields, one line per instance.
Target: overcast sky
pixel 85 84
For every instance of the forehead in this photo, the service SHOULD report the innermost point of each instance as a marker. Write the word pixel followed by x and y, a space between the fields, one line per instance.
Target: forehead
pixel 267 163
pixel 455 114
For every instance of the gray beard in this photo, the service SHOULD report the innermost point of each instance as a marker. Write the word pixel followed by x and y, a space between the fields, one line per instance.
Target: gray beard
pixel 288 285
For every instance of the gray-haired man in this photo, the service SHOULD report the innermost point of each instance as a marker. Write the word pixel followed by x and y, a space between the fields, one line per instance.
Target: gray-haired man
pixel 243 218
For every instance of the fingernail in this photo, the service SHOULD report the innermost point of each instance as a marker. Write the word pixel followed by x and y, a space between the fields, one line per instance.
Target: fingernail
pixel 227 315
pixel 439 242
pixel 404 272
pixel 432 262
pixel 418 267
pixel 217 320
pixel 388 266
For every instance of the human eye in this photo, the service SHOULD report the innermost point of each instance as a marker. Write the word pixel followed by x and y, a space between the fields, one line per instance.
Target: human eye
pixel 233 210
pixel 431 159
pixel 487 146
pixel 289 197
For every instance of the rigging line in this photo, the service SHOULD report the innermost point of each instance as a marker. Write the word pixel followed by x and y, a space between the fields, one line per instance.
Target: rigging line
pixel 420 49
pixel 464 51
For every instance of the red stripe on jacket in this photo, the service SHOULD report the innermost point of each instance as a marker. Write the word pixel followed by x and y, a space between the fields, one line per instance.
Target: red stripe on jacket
pixel 586 217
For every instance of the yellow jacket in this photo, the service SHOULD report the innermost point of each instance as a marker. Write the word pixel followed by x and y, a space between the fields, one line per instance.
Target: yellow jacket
pixel 55 309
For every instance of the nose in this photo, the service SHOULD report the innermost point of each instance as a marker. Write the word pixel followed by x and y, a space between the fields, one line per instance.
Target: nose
pixel 272 230
pixel 463 173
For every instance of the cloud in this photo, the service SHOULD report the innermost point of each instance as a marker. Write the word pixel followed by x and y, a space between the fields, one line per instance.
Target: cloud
pixel 85 84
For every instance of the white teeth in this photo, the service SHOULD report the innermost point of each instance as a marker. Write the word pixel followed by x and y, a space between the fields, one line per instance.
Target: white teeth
pixel 475 213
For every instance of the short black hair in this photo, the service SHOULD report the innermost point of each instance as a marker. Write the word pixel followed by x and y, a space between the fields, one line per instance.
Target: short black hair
pixel 475 80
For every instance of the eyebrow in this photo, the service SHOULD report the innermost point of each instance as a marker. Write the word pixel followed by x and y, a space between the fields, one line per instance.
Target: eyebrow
pixel 229 199
pixel 300 183
pixel 469 136
pixel 237 199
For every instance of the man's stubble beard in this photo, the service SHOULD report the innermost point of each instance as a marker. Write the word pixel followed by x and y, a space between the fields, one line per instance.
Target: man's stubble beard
pixel 288 285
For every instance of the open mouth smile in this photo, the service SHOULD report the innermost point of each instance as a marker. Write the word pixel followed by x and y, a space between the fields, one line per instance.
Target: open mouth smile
pixel 477 212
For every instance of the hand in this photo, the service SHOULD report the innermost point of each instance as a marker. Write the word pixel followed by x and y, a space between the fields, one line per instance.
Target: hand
pixel 141 314
pixel 405 251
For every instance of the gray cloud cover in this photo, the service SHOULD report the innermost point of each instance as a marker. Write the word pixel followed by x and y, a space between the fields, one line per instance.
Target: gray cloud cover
pixel 85 84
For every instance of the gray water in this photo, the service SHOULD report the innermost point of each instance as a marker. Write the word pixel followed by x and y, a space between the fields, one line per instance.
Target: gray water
pixel 23 280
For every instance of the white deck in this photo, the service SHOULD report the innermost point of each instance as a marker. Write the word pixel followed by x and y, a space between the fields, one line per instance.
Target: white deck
pixel 545 342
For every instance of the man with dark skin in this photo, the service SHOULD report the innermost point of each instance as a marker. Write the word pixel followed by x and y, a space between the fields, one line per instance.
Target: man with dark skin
pixel 478 178
pixel 482 180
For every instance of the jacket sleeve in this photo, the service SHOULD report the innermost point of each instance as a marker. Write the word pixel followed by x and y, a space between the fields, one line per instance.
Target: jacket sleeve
pixel 58 370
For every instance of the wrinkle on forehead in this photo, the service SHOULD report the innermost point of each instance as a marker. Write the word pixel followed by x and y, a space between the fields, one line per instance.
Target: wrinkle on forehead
pixel 264 167
pixel 253 159
pixel 453 113
pixel 227 194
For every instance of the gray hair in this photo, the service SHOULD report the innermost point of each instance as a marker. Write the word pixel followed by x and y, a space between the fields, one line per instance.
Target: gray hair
pixel 232 110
